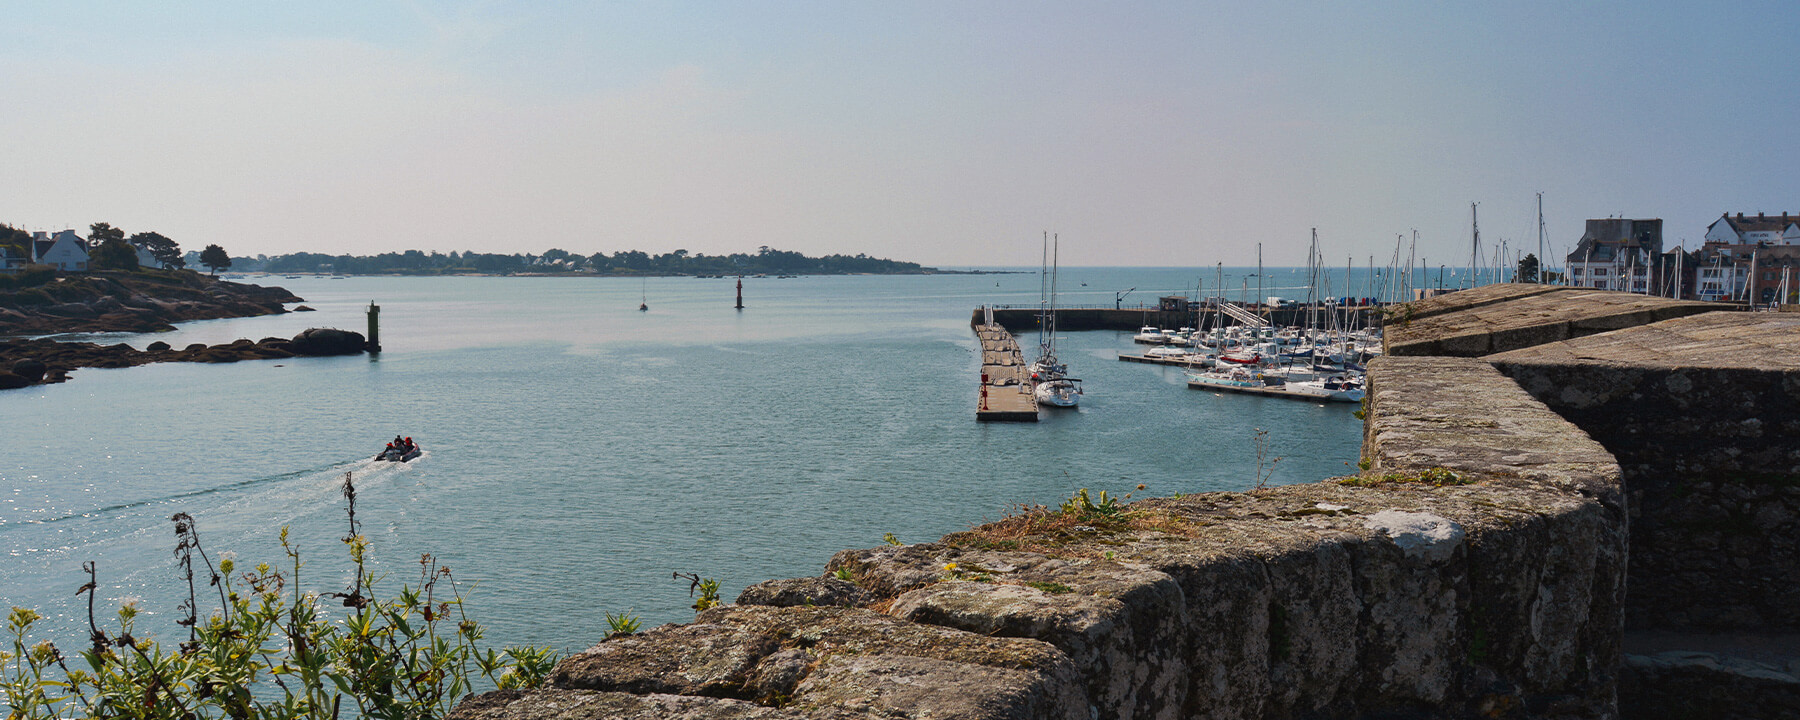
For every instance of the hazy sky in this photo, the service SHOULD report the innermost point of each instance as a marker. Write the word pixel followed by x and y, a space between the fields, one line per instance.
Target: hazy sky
pixel 949 133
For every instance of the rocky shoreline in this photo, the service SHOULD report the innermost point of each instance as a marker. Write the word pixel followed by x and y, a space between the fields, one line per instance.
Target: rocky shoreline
pixel 140 301
pixel 33 361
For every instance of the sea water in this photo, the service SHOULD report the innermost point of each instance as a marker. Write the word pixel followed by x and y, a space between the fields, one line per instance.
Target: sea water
pixel 579 452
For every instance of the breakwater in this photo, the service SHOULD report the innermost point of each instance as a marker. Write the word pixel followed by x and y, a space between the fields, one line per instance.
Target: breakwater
pixel 1480 565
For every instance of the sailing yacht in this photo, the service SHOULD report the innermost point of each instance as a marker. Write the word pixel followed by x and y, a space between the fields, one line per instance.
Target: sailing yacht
pixel 1051 382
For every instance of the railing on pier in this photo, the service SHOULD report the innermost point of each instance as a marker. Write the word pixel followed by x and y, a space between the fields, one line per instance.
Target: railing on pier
pixel 1243 316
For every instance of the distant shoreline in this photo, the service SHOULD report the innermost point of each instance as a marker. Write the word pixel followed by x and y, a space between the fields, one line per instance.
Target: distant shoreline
pixel 268 275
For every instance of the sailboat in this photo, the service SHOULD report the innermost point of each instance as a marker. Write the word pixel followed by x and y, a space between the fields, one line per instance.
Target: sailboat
pixel 1053 386
pixel 644 298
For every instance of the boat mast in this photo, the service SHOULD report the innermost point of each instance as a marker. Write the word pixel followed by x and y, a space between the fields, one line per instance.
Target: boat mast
pixel 1050 335
pixel 1474 245
pixel 1540 255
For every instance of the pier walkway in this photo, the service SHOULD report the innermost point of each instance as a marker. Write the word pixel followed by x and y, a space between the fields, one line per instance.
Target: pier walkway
pixel 1005 380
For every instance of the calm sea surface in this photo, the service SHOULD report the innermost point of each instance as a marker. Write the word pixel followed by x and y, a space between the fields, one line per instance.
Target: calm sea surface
pixel 579 451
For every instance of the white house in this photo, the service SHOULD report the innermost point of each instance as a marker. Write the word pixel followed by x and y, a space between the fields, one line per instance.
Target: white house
pixel 1741 230
pixel 66 250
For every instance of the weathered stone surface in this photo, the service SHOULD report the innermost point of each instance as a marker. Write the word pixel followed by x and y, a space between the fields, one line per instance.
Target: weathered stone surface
pixel 1703 414
pixel 593 705
pixel 1121 625
pixel 1463 415
pixel 834 661
pixel 824 590
pixel 1498 318
pixel 1681 685
pixel 1287 604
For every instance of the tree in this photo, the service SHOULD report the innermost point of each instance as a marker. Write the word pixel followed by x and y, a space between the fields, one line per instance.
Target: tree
pixel 113 253
pixel 1528 269
pixel 18 240
pixel 101 232
pixel 214 257
pixel 166 252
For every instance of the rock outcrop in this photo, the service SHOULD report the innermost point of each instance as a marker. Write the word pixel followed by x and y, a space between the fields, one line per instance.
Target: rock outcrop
pixel 49 361
pixel 140 301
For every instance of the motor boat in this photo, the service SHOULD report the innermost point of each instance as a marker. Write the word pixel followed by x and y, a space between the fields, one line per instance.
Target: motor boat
pixel 1150 335
pixel 404 452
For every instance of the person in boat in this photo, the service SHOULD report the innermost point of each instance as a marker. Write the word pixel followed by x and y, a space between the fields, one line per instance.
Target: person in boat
pixel 410 446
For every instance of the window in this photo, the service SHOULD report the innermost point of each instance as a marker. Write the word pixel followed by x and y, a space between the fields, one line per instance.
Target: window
pixel 1599 284
pixel 1577 272
pixel 1599 272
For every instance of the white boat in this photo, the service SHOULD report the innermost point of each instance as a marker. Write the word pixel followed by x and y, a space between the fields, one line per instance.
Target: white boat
pixel 1227 377
pixel 1150 335
pixel 1051 384
pixel 1335 388
pixel 1058 392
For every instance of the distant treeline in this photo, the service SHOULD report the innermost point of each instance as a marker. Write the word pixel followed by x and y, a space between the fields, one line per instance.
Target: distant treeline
pixel 628 262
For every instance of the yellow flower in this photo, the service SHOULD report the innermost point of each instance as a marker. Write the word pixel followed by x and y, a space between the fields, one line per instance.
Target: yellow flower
pixel 949 567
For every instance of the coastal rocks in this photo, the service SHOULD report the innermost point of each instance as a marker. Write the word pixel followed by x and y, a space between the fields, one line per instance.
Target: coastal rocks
pixel 825 590
pixel 29 369
pixel 593 705
pixel 813 662
pixel 48 361
pixel 328 341
pixel 143 301
pixel 10 381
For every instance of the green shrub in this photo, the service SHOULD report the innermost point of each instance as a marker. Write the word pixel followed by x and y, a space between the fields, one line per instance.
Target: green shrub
pixel 270 650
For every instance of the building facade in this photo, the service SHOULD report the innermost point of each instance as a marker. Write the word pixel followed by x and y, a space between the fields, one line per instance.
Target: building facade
pixel 65 250
pixel 1760 229
pixel 1753 259
pixel 1618 254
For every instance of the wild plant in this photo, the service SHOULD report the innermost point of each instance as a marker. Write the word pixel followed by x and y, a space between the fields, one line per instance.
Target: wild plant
pixel 269 650
pixel 623 623
pixel 706 588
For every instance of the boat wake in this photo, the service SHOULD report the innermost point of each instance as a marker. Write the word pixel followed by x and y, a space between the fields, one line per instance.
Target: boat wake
pixel 367 472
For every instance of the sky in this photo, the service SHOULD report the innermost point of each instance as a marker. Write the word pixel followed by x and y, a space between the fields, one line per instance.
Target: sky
pixel 947 133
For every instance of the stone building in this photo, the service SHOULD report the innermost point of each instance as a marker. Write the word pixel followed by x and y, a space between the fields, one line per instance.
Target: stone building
pixel 1618 254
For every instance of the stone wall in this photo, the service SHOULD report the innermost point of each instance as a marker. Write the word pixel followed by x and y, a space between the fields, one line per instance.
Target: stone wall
pixel 1703 414
pixel 1476 569
pixel 1507 316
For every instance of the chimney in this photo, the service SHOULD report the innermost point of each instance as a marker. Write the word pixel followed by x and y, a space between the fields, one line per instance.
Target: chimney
pixel 1759 216
pixel 1740 216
